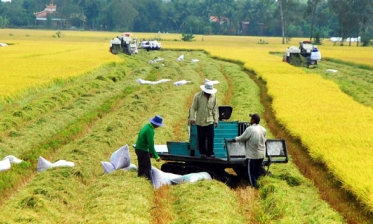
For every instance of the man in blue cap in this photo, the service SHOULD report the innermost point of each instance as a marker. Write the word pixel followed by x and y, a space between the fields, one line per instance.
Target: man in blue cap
pixel 144 148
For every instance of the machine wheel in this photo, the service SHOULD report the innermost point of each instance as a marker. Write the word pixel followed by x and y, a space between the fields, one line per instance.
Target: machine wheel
pixel 230 180
pixel 174 167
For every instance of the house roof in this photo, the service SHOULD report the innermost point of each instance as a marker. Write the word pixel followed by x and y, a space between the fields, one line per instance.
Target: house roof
pixel 49 9
pixel 216 19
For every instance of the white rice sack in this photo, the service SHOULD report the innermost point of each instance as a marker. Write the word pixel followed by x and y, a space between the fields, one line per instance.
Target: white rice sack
pixel 315 56
pixel 194 60
pixel 192 177
pixel 108 167
pixel 4 165
pixel 13 159
pixel 170 176
pixel 130 167
pixel 158 59
pixel 212 81
pixel 157 178
pixel 162 81
pixel 160 178
pixel 332 70
pixel 63 163
pixel 43 164
pixel 121 157
pixel 141 81
pixel 181 82
pixel 180 58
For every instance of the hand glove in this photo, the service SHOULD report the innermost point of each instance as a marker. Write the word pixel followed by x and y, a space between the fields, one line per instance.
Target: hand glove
pixel 159 159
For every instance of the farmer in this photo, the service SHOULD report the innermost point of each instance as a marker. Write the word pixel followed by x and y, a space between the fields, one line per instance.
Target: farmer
pixel 255 138
pixel 144 148
pixel 204 113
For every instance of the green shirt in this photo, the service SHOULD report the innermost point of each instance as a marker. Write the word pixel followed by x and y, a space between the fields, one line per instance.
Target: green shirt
pixel 204 110
pixel 145 140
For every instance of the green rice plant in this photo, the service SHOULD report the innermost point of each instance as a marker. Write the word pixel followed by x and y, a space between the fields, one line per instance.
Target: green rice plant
pixel 83 194
pixel 197 203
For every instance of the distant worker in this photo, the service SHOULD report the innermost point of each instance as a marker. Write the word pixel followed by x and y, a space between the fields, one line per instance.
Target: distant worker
pixel 255 138
pixel 204 113
pixel 111 45
pixel 144 147
pixel 286 56
pixel 315 54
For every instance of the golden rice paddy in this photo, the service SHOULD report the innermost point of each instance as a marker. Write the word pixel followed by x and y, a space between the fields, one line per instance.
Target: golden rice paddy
pixel 335 128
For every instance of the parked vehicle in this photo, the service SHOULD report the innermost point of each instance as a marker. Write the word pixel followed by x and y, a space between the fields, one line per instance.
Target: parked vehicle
pixel 150 45
pixel 183 157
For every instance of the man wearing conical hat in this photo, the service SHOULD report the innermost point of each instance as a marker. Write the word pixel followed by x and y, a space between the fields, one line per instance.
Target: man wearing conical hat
pixel 204 113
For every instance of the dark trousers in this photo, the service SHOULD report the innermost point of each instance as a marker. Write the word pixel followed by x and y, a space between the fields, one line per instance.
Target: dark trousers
pixel 144 163
pixel 206 133
pixel 254 167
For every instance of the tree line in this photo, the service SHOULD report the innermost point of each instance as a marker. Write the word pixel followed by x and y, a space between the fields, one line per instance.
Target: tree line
pixel 286 18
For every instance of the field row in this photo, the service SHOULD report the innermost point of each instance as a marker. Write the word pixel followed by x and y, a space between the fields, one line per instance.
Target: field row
pixel 328 122
pixel 312 109
pixel 81 193
pixel 84 189
pixel 25 66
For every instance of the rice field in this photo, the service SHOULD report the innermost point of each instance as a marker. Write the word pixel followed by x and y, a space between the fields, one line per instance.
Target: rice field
pixel 334 128
pixel 36 58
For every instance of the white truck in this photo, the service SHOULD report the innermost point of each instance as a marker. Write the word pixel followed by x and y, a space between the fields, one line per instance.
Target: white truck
pixel 150 45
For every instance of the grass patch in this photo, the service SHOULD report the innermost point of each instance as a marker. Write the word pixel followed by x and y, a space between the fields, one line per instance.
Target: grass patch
pixel 356 80
pixel 198 202
pixel 122 195
pixel 303 189
pixel 348 63
pixel 54 139
pixel 48 147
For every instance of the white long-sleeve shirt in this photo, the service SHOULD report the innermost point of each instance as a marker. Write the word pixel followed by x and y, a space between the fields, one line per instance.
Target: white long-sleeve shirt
pixel 255 137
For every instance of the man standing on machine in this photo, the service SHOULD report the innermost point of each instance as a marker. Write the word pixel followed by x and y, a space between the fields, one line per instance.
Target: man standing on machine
pixel 204 113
